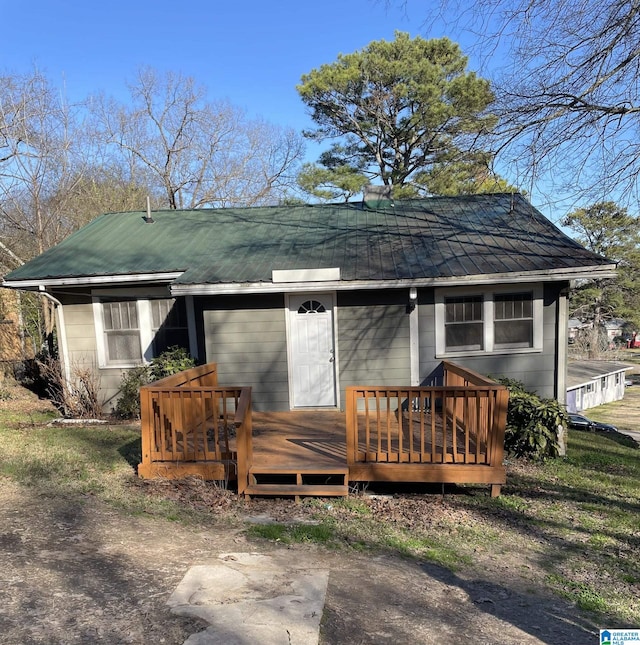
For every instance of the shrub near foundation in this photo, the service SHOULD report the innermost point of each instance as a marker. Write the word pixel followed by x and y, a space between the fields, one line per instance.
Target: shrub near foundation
pixel 174 360
pixel 532 423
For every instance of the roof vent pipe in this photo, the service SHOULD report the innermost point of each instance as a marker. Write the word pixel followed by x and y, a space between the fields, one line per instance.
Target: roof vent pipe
pixel 147 218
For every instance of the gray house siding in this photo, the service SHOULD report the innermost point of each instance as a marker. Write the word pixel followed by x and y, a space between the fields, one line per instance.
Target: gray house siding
pixel 373 338
pixel 81 346
pixel 246 337
pixel 537 370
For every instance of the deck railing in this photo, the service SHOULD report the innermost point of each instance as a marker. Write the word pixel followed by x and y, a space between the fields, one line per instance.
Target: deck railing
pixel 449 430
pixel 457 420
pixel 190 425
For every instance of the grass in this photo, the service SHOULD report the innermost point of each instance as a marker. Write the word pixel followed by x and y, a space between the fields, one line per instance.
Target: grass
pixel 571 524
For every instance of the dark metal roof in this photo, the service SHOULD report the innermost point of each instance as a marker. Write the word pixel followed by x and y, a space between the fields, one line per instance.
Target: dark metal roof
pixel 438 237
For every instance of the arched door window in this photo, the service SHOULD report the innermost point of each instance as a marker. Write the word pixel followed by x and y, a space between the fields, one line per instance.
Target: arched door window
pixel 311 307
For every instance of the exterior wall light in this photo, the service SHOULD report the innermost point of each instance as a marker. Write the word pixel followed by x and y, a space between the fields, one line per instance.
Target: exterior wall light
pixel 413 299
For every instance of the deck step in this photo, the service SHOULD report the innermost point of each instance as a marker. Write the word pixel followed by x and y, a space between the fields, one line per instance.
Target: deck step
pixel 302 469
pixel 298 480
pixel 298 490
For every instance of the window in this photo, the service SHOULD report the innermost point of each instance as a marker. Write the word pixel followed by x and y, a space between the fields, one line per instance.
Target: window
pixel 311 307
pixel 122 332
pixel 168 324
pixel 130 332
pixel 464 328
pixel 513 320
pixel 603 383
pixel 475 321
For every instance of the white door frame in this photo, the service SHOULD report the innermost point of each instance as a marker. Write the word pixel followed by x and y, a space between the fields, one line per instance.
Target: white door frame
pixel 290 354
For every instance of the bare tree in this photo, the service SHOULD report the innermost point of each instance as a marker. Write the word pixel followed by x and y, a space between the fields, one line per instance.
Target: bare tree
pixel 41 140
pixel 193 151
pixel 568 89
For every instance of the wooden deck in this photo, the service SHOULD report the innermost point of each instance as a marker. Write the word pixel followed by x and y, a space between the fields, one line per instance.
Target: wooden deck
pixel 299 453
pixel 451 432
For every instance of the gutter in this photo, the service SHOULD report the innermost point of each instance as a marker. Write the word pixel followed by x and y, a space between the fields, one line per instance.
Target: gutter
pixel 70 281
pixel 551 275
pixel 268 286
pixel 62 333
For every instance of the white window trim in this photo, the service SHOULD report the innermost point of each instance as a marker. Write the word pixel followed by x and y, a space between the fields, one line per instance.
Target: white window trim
pixel 488 319
pixel 145 322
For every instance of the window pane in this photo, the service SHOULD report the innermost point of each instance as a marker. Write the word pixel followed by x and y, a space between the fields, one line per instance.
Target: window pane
pixel 120 315
pixel 166 338
pixel 513 333
pixel 123 347
pixel 463 309
pixel 168 313
pixel 106 315
pixel 464 336
pixel 311 307
pixel 513 306
pixel 159 310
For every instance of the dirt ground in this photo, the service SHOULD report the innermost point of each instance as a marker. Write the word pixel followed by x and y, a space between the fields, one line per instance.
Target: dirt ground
pixel 89 574
pixel 83 572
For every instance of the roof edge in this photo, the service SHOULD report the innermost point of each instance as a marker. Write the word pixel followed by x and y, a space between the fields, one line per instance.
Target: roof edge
pixel 129 278
pixel 549 275
pixel 554 275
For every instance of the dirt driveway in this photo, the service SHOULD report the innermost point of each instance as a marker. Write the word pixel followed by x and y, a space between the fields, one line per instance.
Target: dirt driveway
pixel 84 573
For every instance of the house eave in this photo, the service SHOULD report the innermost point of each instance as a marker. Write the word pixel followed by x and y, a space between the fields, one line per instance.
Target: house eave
pixel 552 275
pixel 69 281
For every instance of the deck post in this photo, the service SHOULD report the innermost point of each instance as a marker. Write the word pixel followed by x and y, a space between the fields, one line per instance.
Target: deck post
pixel 146 424
pixel 244 439
pixel 351 425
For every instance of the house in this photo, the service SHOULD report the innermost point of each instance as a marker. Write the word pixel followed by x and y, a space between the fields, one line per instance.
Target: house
pixel 575 326
pixel 592 383
pixel 614 328
pixel 301 301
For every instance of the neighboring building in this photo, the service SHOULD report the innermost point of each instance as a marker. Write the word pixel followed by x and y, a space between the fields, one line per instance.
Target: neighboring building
pixel 301 301
pixel 614 328
pixel 575 326
pixel 592 383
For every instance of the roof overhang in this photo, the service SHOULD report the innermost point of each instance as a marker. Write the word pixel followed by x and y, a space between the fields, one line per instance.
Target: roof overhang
pixel 79 281
pixel 554 275
pixel 550 275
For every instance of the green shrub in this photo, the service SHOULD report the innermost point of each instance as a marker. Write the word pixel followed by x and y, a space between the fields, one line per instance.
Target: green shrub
pixel 532 423
pixel 174 360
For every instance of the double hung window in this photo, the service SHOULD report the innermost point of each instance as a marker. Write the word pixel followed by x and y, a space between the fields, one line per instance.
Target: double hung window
pixel 464 324
pixel 488 321
pixel 513 320
pixel 121 332
pixel 131 331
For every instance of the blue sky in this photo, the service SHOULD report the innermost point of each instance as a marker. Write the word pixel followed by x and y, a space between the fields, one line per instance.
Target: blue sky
pixel 249 52
pixel 252 53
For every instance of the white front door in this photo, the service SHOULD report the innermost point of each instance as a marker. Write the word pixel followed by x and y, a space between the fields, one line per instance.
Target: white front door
pixel 312 350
